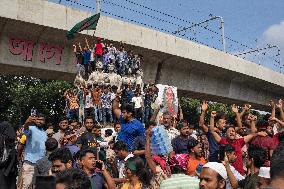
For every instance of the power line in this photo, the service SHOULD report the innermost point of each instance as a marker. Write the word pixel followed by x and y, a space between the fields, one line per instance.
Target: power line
pixel 121 17
pixel 162 20
pixel 131 20
pixel 153 17
pixel 212 31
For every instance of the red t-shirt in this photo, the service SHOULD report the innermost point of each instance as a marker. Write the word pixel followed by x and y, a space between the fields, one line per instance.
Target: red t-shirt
pixel 237 144
pixel 266 143
pixel 99 49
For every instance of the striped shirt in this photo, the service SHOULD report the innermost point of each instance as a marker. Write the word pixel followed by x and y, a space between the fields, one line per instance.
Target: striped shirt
pixel 180 181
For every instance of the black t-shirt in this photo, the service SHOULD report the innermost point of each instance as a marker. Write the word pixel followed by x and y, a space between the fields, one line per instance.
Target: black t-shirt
pixel 148 100
pixel 180 144
pixel 87 140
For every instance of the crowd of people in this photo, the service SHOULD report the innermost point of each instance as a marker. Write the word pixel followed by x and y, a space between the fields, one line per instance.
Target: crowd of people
pixel 105 140
pixel 102 72
pixel 247 153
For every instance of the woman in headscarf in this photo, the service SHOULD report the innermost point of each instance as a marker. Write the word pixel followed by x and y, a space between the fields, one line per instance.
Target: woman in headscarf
pixel 139 177
pixel 8 156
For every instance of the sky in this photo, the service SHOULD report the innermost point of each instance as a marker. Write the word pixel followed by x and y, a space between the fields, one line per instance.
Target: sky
pixel 249 24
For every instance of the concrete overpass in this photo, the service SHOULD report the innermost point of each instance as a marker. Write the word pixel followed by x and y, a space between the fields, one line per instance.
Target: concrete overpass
pixel 33 42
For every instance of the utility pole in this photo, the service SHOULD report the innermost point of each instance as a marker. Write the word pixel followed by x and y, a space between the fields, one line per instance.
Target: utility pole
pixel 205 21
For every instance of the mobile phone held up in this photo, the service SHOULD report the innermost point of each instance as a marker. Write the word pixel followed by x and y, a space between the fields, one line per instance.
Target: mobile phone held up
pixel 99 165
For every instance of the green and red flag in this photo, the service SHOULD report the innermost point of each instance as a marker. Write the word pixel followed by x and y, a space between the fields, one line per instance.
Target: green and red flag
pixel 89 23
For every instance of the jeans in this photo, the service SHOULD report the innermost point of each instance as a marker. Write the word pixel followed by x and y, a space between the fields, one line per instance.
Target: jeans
pixel 97 113
pixel 93 65
pixel 148 113
pixel 87 71
pixel 138 113
pixel 107 112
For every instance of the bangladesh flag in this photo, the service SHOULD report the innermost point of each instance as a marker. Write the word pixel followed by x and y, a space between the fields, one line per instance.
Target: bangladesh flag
pixel 86 24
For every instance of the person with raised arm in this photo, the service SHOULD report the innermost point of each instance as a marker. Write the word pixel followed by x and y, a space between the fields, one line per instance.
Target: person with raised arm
pixel 230 138
pixel 227 157
pixel 95 170
pixel 157 170
pixel 34 148
pixel 130 127
pixel 220 125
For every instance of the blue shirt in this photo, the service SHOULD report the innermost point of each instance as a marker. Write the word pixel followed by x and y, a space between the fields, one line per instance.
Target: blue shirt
pixel 97 181
pixel 87 56
pixel 73 148
pixel 35 144
pixel 129 131
pixel 213 147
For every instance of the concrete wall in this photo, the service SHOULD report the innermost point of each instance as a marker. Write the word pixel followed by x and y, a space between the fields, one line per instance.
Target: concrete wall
pixel 197 70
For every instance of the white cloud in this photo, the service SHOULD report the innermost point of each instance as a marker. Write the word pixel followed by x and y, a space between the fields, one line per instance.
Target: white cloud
pixel 275 35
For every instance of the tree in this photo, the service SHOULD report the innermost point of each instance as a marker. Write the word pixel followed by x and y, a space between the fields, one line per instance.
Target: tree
pixel 20 94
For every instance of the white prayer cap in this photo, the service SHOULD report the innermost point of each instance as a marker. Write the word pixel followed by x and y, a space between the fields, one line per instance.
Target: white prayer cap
pixel 264 172
pixel 218 167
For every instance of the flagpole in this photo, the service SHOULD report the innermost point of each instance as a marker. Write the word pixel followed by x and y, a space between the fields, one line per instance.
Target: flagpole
pixel 98 10
pixel 98 6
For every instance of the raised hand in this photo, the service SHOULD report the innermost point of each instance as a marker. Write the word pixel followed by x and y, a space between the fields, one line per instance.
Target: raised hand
pixel 280 104
pixel 246 107
pixel 226 160
pixel 204 106
pixel 271 119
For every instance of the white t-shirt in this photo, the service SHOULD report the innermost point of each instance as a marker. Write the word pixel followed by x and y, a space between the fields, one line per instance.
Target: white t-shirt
pixel 137 101
pixel 236 174
pixel 121 165
pixel 89 101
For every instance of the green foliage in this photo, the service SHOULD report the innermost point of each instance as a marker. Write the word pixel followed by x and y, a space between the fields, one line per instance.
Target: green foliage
pixel 191 109
pixel 20 94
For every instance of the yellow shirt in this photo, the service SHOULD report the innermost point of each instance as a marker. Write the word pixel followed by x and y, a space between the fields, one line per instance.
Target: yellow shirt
pixel 127 186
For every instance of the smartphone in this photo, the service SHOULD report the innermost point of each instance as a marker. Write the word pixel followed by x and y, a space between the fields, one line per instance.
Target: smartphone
pixel 99 165
pixel 199 168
